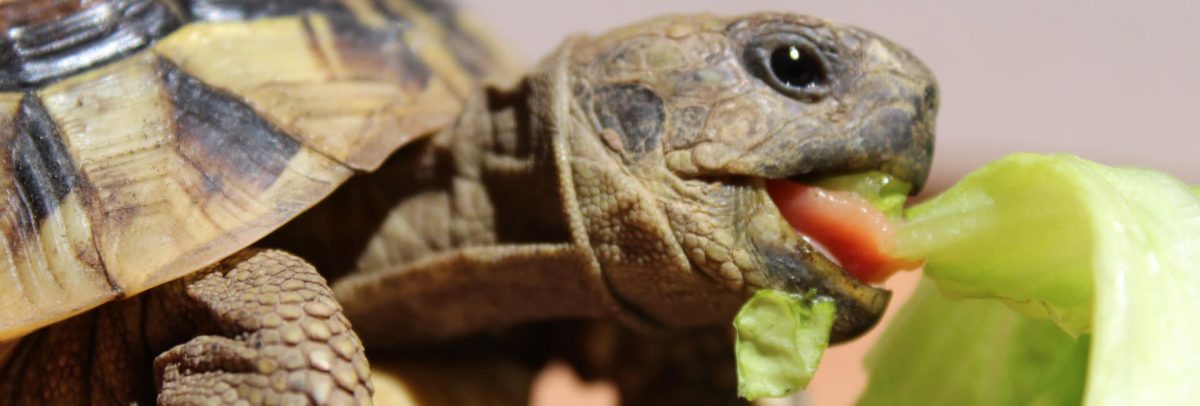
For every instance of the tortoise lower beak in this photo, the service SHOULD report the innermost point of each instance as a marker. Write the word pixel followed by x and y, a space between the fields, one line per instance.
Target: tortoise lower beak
pixel 801 268
pixel 792 264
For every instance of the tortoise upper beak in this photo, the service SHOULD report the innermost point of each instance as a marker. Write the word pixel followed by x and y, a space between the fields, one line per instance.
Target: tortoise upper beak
pixel 884 122
pixel 894 134
pixel 892 111
pixel 897 103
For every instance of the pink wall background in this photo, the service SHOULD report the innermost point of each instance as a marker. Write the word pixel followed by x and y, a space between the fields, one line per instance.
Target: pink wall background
pixel 1113 81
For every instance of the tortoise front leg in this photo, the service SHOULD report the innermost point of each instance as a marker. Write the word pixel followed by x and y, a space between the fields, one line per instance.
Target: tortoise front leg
pixel 274 333
pixel 261 326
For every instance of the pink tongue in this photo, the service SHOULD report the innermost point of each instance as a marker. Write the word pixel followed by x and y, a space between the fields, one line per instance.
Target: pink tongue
pixel 858 235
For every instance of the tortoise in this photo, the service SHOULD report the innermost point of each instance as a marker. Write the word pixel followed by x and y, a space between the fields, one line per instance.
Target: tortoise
pixel 177 172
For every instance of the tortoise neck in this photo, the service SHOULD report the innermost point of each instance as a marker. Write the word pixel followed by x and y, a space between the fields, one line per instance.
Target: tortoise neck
pixel 487 180
pixel 507 159
pixel 486 225
pixel 481 182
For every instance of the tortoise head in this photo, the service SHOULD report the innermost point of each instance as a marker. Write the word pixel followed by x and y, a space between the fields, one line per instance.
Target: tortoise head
pixel 673 125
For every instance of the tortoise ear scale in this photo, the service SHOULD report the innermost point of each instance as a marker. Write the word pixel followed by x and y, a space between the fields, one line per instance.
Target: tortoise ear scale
pixel 634 112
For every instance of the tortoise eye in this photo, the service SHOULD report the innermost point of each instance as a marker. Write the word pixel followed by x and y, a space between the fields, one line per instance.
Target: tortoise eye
pixel 796 68
pixel 791 66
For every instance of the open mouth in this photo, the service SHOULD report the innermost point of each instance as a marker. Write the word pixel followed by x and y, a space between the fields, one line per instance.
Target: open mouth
pixel 841 242
pixel 850 219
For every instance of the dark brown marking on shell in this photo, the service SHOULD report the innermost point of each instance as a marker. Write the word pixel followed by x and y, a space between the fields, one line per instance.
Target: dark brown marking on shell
pixel 222 136
pixel 469 53
pixel 633 111
pixel 44 41
pixel 223 10
pixel 379 53
pixel 42 170
pixel 314 47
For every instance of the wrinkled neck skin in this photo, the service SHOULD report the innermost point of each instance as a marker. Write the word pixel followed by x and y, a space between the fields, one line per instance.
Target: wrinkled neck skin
pixel 520 214
pixel 486 181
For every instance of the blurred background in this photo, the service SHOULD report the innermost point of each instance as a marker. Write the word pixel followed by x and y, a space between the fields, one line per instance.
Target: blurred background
pixel 1113 81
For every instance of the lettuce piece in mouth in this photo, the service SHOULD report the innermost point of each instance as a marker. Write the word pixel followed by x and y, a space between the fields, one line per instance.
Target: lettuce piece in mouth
pixel 781 336
pixel 780 339
pixel 1109 255
pixel 884 191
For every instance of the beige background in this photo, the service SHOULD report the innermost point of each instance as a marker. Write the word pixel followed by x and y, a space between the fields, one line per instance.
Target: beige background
pixel 1113 81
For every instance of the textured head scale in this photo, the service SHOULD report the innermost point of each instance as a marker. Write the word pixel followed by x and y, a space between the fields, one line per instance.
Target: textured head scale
pixel 701 91
pixel 676 122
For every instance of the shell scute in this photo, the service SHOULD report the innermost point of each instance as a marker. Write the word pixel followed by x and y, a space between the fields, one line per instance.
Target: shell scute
pixel 163 158
pixel 50 267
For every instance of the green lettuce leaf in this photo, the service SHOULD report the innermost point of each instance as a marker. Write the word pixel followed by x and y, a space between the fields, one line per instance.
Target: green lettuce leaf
pixel 780 339
pixel 1110 251
pixel 884 191
pixel 973 352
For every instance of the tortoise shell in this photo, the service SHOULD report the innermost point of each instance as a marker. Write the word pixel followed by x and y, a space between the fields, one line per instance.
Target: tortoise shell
pixel 146 139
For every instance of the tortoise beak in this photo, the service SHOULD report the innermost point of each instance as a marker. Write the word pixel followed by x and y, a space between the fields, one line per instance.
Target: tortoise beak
pixel 896 109
pixel 792 264
pixel 897 105
pixel 801 268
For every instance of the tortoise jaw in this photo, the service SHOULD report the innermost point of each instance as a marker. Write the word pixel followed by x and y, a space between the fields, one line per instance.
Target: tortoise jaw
pixel 860 306
pixel 792 263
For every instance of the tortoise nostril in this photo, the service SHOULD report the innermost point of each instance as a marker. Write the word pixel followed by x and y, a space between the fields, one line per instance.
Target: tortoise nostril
pixel 931 98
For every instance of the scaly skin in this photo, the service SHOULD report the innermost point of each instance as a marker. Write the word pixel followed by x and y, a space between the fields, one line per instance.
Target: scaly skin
pixel 260 327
